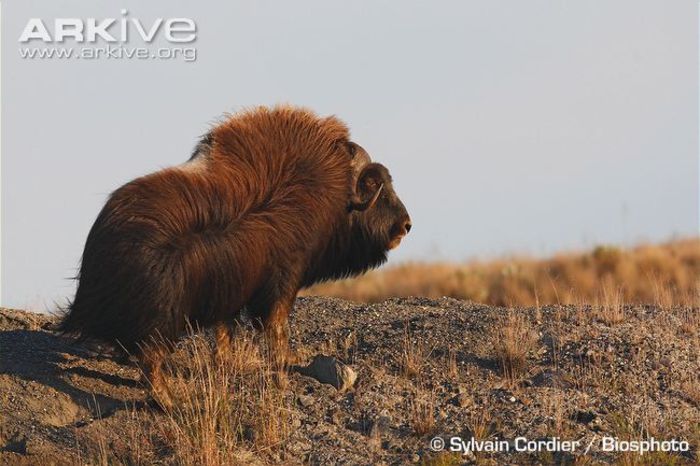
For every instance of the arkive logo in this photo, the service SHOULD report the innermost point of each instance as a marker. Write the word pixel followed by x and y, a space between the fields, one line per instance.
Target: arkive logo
pixel 110 30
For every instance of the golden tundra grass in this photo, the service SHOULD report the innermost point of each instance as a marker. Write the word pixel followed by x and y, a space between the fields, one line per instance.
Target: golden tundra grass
pixel 227 411
pixel 421 409
pixel 666 274
pixel 223 408
pixel 512 341
pixel 413 354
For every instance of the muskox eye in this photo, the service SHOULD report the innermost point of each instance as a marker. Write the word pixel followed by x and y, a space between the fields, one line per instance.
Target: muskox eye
pixel 352 148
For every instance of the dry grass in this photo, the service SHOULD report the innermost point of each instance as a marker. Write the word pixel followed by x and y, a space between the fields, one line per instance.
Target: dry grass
pixel 413 355
pixel 451 364
pixel 480 425
pixel 513 339
pixel 691 388
pixel 650 459
pixel 666 274
pixel 628 428
pixel 609 306
pixel 222 409
pixel 421 408
pixel 690 324
pixel 225 412
pixel 443 459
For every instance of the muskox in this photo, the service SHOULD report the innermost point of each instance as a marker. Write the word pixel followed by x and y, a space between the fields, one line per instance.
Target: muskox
pixel 271 201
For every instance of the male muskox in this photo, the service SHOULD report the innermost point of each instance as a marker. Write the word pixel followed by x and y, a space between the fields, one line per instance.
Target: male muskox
pixel 271 201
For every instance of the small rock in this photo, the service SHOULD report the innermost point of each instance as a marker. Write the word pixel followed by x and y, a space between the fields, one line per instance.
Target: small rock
pixel 305 400
pixel 511 399
pixel 329 370
pixel 415 458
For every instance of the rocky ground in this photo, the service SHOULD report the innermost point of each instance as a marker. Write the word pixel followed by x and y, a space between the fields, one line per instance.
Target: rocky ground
pixel 425 368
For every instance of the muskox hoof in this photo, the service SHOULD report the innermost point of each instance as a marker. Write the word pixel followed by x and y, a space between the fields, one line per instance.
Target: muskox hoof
pixel 278 347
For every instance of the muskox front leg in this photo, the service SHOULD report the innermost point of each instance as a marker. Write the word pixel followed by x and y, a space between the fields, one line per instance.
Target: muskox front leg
pixel 277 332
pixel 271 316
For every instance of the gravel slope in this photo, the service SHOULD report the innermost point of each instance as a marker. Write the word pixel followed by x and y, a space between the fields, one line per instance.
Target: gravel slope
pixel 586 374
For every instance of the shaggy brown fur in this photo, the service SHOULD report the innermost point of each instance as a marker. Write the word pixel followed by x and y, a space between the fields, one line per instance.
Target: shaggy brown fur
pixel 271 201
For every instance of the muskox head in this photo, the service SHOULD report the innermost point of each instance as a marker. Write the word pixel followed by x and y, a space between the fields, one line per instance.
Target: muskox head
pixel 378 215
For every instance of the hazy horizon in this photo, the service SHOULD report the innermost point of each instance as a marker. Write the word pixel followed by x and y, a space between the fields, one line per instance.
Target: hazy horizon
pixel 509 127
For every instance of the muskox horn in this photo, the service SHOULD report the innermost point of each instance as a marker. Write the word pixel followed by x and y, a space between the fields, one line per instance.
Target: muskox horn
pixel 360 159
pixel 357 204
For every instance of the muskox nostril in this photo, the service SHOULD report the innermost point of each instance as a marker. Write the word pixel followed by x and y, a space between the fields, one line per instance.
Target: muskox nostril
pixel 407 227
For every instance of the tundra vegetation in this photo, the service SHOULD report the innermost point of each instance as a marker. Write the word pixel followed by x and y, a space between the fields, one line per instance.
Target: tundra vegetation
pixel 666 274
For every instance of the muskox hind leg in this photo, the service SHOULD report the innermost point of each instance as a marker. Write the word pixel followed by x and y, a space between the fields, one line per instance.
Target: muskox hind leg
pixel 223 334
pixel 151 362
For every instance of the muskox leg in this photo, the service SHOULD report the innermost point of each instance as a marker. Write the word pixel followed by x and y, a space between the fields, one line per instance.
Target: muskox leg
pixel 272 316
pixel 151 362
pixel 277 333
pixel 223 333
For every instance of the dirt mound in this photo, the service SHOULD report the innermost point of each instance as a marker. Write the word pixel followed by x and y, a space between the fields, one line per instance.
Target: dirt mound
pixel 424 368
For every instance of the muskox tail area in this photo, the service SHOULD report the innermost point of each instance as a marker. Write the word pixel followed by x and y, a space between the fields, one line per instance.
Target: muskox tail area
pixel 91 320
pixel 126 303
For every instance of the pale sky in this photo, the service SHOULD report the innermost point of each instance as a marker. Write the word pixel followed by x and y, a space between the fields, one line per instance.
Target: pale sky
pixel 509 126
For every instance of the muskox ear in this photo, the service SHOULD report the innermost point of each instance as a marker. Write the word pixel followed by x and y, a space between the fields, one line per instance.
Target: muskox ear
pixel 369 186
